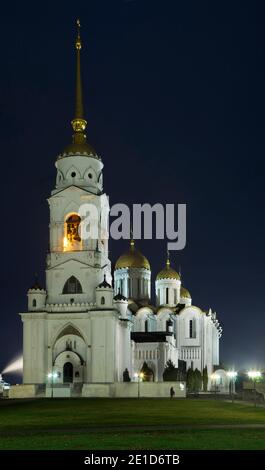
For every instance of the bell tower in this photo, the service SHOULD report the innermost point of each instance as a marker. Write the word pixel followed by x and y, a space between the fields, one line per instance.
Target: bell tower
pixel 77 264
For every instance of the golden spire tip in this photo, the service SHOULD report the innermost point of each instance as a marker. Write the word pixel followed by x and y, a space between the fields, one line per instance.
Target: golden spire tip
pixel 78 43
pixel 168 259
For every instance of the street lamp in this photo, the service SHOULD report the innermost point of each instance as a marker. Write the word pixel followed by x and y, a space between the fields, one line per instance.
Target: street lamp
pixel 254 375
pixel 52 376
pixel 139 376
pixel 232 374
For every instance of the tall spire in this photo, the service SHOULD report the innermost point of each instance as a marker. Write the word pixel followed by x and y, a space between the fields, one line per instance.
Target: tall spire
pixel 168 260
pixel 131 238
pixel 78 123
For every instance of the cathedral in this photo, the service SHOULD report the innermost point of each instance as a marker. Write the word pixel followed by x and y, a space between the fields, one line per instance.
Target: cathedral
pixel 91 333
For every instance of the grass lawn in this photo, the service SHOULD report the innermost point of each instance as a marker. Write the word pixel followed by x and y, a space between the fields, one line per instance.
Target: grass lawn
pixel 91 424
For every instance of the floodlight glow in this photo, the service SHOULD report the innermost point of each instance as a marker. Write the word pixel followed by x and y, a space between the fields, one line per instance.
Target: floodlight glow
pixel 16 365
pixel 231 374
pixel 254 374
pixel 53 375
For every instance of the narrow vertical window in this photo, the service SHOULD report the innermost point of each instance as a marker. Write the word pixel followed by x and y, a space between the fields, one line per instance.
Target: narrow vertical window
pixel 167 295
pixel 192 329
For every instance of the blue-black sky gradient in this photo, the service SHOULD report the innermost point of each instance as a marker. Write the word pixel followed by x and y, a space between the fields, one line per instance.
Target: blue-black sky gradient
pixel 174 98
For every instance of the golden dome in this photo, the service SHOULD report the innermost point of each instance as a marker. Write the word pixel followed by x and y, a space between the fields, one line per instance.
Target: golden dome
pixel 132 259
pixel 184 293
pixel 79 149
pixel 168 272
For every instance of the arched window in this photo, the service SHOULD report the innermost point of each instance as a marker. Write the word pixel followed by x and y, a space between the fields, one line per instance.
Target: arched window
pixel 168 324
pixel 72 226
pixel 34 303
pixel 72 286
pixel 102 301
pixel 146 326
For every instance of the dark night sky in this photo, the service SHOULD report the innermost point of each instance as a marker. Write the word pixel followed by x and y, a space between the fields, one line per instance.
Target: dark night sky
pixel 174 97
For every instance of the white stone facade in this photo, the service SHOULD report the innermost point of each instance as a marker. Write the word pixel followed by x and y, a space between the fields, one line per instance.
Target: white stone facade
pixel 79 328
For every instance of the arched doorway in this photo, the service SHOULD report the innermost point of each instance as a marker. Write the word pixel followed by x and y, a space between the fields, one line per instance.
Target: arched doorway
pixel 68 372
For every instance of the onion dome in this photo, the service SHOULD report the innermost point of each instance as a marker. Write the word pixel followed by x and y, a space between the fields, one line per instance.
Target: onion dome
pixel 104 284
pixel 119 296
pixel 80 149
pixel 132 258
pixel 168 272
pixel 184 293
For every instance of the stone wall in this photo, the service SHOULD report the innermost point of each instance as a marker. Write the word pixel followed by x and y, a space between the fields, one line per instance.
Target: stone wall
pixel 103 390
pixel 130 389
pixel 24 391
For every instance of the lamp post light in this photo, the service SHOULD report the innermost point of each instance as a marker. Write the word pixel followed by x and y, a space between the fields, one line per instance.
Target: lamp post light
pixel 52 376
pixel 254 375
pixel 232 374
pixel 139 376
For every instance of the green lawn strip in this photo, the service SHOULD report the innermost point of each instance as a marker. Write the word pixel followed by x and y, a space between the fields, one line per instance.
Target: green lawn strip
pixel 60 414
pixel 253 439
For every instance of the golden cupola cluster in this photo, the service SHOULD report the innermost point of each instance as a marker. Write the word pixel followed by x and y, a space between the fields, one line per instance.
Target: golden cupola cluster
pixel 79 145
pixel 132 258
pixel 184 293
pixel 168 272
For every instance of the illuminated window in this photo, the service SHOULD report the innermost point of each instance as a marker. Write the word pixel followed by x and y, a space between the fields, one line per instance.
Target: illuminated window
pixel 72 227
pixel 72 286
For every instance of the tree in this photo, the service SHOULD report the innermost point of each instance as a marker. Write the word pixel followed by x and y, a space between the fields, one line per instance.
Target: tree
pixel 126 376
pixel 205 379
pixel 197 381
pixel 170 373
pixel 148 374
pixel 190 380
